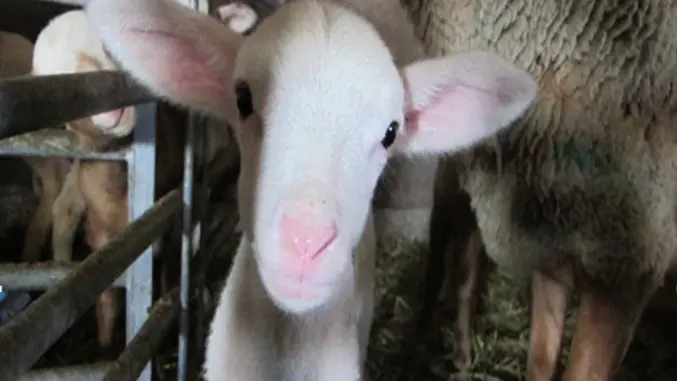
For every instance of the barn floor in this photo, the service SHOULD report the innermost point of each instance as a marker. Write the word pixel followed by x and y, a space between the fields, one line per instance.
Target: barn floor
pixel 500 345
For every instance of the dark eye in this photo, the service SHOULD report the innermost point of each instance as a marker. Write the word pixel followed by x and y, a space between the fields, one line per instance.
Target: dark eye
pixel 391 134
pixel 244 99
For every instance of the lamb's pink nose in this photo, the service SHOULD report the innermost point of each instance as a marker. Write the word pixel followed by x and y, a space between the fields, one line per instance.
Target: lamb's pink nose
pixel 305 239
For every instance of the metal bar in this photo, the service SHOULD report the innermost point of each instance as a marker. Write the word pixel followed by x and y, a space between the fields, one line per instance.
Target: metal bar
pixel 141 195
pixel 30 103
pixel 203 218
pixel 144 345
pixel 43 275
pixel 187 243
pixel 196 345
pixel 60 306
pixel 53 142
pixel 85 372
pixel 186 248
pixel 135 358
pixel 38 276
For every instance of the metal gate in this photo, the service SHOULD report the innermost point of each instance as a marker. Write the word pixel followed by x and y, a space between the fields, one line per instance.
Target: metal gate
pixel 127 261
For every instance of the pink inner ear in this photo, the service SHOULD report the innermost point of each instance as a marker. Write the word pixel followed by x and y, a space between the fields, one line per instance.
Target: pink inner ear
pixel 187 70
pixel 450 103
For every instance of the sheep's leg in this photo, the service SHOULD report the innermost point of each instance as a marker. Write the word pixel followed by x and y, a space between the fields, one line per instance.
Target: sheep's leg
pixel 104 186
pixel 604 330
pixel 454 237
pixel 107 305
pixel 67 210
pixel 452 223
pixel 47 184
pixel 549 300
pixel 439 244
pixel 466 289
pixel 38 227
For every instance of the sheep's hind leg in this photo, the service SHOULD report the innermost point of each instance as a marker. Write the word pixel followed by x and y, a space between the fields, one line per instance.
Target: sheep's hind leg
pixel 549 299
pixel 68 209
pixel 604 329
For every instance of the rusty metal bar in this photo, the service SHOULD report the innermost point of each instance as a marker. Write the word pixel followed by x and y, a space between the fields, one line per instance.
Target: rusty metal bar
pixel 38 276
pixel 164 312
pixel 43 275
pixel 144 344
pixel 54 142
pixel 56 310
pixel 30 103
pixel 85 372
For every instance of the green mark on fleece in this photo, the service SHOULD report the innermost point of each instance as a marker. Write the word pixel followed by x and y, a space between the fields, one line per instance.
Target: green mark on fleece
pixel 570 154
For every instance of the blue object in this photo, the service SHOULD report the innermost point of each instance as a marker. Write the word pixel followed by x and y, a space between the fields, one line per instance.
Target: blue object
pixel 11 304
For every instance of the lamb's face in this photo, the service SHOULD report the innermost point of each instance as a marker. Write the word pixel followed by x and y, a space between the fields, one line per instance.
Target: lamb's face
pixel 321 103
pixel 321 107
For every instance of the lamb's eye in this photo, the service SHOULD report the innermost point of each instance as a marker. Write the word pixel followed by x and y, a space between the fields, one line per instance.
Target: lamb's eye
pixel 390 135
pixel 244 99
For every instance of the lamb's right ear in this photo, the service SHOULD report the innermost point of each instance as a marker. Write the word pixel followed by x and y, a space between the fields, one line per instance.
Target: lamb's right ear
pixel 178 53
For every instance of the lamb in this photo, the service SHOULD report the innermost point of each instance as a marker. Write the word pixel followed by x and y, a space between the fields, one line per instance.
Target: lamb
pixel 319 96
pixel 96 191
pixel 48 173
pixel 66 45
pixel 581 193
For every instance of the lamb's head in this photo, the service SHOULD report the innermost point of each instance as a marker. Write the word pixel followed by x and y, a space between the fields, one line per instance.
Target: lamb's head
pixel 69 44
pixel 318 106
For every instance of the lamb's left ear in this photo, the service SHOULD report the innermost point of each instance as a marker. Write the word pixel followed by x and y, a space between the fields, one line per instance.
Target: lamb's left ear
pixel 454 102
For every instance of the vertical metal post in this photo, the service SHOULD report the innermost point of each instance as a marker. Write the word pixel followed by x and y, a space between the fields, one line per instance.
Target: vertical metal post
pixel 186 250
pixel 203 194
pixel 189 239
pixel 202 226
pixel 141 191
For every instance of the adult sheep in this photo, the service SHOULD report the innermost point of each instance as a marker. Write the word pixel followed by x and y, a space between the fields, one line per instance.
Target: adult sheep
pixel 581 193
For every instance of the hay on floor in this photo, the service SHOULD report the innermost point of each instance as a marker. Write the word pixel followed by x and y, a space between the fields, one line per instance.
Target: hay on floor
pixel 502 336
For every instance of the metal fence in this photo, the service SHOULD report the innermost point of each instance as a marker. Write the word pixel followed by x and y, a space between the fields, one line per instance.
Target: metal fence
pixel 28 114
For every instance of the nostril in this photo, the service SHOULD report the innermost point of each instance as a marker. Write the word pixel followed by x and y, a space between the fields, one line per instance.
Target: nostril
pixel 305 240
pixel 324 239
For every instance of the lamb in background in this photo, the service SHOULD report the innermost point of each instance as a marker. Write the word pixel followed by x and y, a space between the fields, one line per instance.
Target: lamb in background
pixel 320 96
pixel 96 190
pixel 82 189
